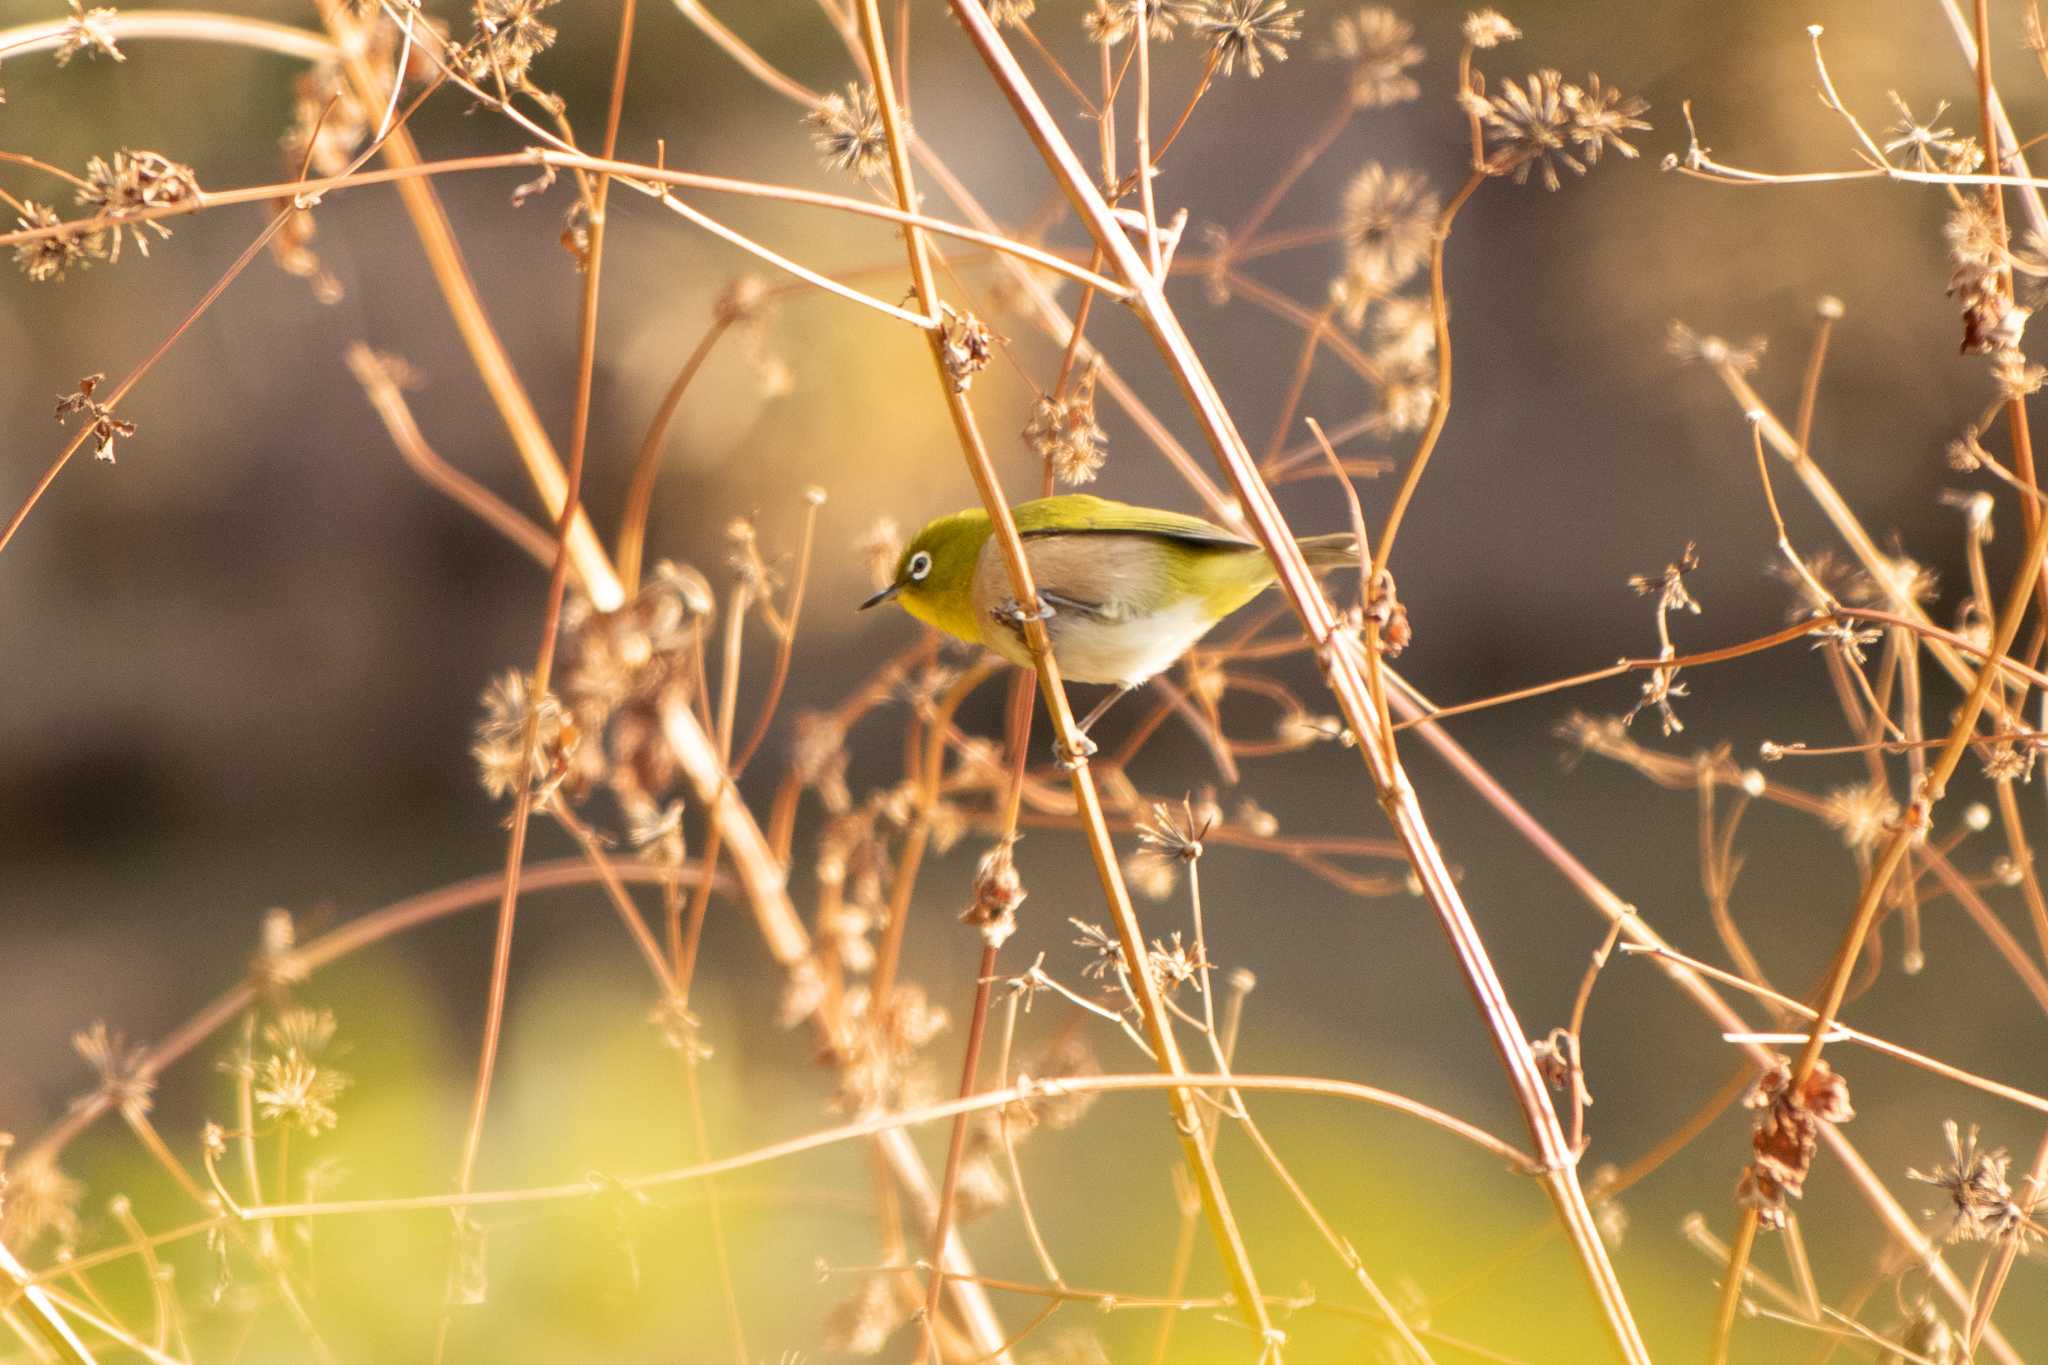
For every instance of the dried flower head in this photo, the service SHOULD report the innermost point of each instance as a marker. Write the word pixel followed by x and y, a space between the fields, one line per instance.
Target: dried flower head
pixel 998 892
pixel 657 831
pixel 509 35
pixel 299 1093
pixel 102 427
pixel 36 1197
pixel 1064 433
pixel 1407 397
pixel 1600 115
pixel 134 183
pixel 63 248
pixel 1176 836
pixel 848 133
pixel 1785 1134
pixel 1248 31
pixel 965 346
pixel 1864 813
pixel 89 31
pixel 505 759
pixel 1529 129
pixel 1489 28
pixel 1381 46
pixel 1174 964
pixel 124 1084
pixel 1927 147
pixel 862 1324
pixel 1690 346
pixel 1011 13
pixel 1981 1207
pixel 1109 22
pixel 1389 220
pixel 1404 333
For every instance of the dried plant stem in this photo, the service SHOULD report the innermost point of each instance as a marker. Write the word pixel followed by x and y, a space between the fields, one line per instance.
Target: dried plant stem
pixel 373 373
pixel 647 465
pixel 135 375
pixel 49 1323
pixel 1904 1227
pixel 1341 669
pixel 970 1067
pixel 1440 410
pixel 494 366
pixel 558 579
pixel 1495 1148
pixel 1237 1260
pixel 1843 1032
pixel 1887 862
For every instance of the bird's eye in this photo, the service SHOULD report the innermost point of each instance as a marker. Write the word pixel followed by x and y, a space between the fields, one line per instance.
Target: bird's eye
pixel 920 565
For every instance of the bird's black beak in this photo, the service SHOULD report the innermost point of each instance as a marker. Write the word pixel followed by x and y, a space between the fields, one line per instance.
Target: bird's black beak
pixel 882 596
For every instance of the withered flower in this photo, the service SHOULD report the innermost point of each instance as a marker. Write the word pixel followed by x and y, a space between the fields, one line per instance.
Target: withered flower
pixel 103 427
pixel 965 346
pixel 1389 219
pixel 1064 433
pixel 1529 126
pixel 1981 1206
pixel 1785 1134
pixel 1381 46
pixel 1248 31
pixel 509 36
pixel 1489 28
pixel 848 133
pixel 123 1083
pixel 998 892
pixel 47 258
pixel 134 183
pixel 89 31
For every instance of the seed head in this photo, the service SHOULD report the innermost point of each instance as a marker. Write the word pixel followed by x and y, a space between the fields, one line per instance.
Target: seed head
pixel 848 133
pixel 1785 1134
pixel 1981 1206
pixel 509 35
pixel 122 1081
pixel 47 258
pixel 132 183
pixel 1390 222
pixel 1489 28
pixel 1600 115
pixel 1064 433
pixel 1248 31
pixel 1380 46
pixel 1529 127
pixel 89 31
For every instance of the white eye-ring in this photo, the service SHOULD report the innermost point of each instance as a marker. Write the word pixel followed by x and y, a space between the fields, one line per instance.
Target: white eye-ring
pixel 920 565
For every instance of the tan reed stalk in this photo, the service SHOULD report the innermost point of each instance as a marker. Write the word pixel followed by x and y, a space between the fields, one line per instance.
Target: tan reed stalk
pixel 1340 668
pixel 1068 739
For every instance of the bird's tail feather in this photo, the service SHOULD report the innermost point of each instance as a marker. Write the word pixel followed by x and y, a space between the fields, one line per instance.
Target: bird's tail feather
pixel 1325 553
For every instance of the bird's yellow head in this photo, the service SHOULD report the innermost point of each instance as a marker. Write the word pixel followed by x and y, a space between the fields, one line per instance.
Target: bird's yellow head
pixel 934 578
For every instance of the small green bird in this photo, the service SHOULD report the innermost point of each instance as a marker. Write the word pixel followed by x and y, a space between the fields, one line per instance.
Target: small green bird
pixel 1125 590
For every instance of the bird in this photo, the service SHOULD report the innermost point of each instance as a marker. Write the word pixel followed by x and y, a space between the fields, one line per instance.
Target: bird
pixel 1124 590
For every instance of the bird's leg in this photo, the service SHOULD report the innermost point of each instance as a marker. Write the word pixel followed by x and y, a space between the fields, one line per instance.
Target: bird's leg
pixel 1083 746
pixel 1011 614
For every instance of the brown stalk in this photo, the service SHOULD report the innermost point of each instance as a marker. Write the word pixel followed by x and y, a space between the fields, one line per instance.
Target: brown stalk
pixel 1342 670
pixel 647 465
pixel 1904 1227
pixel 1230 1241
pixel 558 580
pixel 374 374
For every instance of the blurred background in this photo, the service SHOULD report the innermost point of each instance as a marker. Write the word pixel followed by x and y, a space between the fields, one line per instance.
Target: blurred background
pixel 241 666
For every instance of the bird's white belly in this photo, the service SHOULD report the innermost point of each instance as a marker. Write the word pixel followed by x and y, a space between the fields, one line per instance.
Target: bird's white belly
pixel 1123 651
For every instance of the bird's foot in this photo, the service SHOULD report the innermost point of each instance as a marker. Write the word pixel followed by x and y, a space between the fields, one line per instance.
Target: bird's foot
pixel 1011 613
pixel 1075 755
